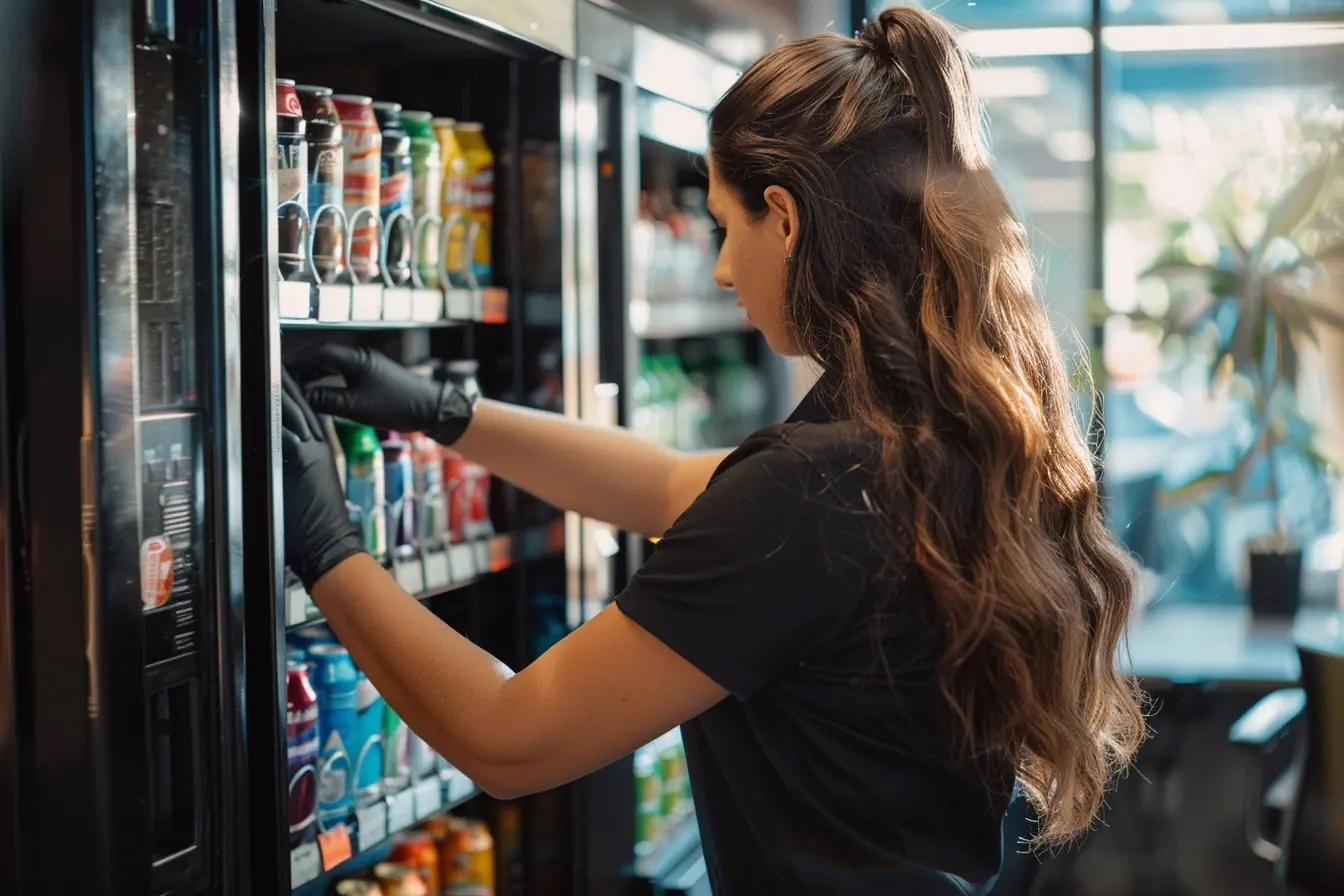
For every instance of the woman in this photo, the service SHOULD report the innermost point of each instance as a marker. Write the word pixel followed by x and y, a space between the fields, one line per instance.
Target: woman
pixel 869 620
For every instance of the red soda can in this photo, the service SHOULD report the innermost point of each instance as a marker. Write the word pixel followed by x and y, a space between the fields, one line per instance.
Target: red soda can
pixel 456 476
pixel 303 746
pixel 363 155
pixel 287 98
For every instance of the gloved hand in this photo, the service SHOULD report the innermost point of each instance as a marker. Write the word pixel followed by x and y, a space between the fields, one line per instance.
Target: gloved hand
pixel 381 393
pixel 318 531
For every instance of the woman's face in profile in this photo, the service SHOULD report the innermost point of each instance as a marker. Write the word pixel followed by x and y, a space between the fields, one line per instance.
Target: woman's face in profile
pixel 751 259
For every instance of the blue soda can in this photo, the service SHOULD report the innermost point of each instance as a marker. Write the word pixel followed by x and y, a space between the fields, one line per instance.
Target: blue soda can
pixel 399 473
pixel 336 682
pixel 367 748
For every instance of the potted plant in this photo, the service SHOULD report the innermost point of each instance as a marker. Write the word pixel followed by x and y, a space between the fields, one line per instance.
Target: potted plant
pixel 1263 299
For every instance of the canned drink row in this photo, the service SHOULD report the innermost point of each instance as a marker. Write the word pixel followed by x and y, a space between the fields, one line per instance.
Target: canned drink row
pixel 346 747
pixel 408 493
pixel 371 192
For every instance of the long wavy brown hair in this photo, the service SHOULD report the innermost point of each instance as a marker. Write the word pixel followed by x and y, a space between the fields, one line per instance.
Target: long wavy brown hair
pixel 911 283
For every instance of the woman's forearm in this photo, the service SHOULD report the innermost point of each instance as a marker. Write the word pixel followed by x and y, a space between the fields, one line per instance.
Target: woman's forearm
pixel 605 473
pixel 439 682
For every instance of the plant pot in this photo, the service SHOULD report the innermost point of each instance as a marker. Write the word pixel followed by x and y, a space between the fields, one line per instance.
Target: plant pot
pixel 1276 582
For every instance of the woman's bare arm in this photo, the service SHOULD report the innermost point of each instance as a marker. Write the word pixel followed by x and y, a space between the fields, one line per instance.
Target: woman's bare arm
pixel 605 473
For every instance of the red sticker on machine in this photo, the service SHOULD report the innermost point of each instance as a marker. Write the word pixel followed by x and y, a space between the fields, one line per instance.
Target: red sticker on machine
pixel 156 571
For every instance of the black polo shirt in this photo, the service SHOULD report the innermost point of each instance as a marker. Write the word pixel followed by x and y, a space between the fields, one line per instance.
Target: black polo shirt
pixel 827 770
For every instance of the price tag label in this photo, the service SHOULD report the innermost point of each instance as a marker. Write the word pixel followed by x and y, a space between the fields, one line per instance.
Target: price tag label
pixel 366 302
pixel 305 864
pixel 460 787
pixel 335 846
pixel 396 304
pixel 462 559
pixel 427 306
pixel 458 304
pixel 437 573
pixel 401 811
pixel 428 798
pixel 372 825
pixel 295 299
pixel 409 575
pixel 296 604
pixel 333 302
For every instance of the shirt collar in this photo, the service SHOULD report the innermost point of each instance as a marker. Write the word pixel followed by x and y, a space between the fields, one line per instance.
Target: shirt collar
pixel 816 405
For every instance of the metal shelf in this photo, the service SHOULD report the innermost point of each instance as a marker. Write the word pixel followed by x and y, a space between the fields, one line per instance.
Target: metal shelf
pixel 382 821
pixel 484 557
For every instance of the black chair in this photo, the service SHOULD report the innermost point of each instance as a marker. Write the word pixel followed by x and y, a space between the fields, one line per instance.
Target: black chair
pixel 1296 820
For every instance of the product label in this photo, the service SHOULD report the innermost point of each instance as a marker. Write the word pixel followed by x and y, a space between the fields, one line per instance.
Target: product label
pixel 395 192
pixel 325 183
pixel 292 169
pixel 156 572
pixel 333 782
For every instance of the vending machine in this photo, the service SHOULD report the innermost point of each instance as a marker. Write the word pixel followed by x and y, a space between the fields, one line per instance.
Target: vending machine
pixel 192 190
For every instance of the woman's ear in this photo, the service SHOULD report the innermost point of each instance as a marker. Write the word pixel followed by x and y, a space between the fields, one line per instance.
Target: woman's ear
pixel 783 215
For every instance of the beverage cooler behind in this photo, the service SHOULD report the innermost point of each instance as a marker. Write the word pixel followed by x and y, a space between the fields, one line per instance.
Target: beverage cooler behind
pixel 121 273
pixel 676 360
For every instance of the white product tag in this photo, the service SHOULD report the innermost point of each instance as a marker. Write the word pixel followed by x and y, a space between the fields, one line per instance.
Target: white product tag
pixel 428 798
pixel 295 299
pixel 333 302
pixel 305 864
pixel 396 304
pixel 437 573
pixel 463 561
pixel 427 306
pixel 366 302
pixel 458 305
pixel 372 825
pixel 401 811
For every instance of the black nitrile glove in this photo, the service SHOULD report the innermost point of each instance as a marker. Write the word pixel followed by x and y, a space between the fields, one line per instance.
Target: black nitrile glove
pixel 381 393
pixel 318 531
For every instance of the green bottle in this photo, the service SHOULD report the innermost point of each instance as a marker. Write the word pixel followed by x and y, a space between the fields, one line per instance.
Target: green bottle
pixel 366 484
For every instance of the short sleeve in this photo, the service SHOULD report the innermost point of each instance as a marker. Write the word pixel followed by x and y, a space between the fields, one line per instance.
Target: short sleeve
pixel 766 567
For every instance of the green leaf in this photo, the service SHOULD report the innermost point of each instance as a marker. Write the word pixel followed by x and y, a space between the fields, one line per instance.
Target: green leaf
pixel 1291 310
pixel 1294 206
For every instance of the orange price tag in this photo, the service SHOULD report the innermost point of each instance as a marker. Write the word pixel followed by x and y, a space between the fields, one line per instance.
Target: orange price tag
pixel 335 846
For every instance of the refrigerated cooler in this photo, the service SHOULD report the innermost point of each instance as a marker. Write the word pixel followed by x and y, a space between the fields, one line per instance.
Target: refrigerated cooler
pixel 162 256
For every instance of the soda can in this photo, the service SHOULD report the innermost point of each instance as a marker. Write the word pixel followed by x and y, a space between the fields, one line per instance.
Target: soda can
pixel 287 98
pixel 480 195
pixel 395 193
pixel 336 682
pixel 366 485
pixel 426 193
pixel 368 746
pixel 292 190
pixel 468 857
pixel 400 479
pixel 453 206
pixel 399 880
pixel 417 849
pixel 396 751
pixel 304 740
pixel 432 500
pixel 326 178
pixel 362 145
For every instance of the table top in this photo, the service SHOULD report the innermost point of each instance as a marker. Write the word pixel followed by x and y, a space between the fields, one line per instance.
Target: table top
pixel 1222 644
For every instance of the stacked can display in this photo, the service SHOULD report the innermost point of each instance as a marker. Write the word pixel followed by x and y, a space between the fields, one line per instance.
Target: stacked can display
pixel 362 140
pixel 388 194
pixel 326 181
pixel 291 180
